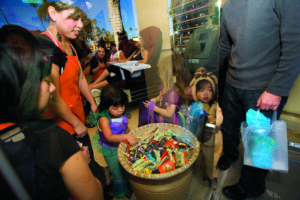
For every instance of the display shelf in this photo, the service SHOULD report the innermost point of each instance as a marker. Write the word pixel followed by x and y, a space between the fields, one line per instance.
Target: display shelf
pixel 180 45
pixel 186 18
pixel 191 28
pixel 184 37
pixel 184 4
pixel 181 22
pixel 190 11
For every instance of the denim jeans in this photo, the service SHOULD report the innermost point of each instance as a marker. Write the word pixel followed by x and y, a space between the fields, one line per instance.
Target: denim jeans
pixel 236 102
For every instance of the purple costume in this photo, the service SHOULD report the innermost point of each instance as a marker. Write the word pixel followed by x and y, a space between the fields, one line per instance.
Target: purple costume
pixel 117 126
pixel 170 97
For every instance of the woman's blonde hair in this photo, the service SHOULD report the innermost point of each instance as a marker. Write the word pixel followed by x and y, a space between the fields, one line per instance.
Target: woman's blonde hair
pixel 166 67
pixel 172 67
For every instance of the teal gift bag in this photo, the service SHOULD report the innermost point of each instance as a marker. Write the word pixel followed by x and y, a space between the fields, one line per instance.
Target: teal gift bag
pixel 265 142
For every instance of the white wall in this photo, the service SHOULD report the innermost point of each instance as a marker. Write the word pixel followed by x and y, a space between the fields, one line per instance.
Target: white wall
pixel 155 13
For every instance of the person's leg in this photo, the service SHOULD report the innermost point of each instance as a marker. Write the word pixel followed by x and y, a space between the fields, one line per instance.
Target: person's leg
pixel 119 178
pixel 252 180
pixel 115 168
pixel 232 118
pixel 208 157
pixel 218 148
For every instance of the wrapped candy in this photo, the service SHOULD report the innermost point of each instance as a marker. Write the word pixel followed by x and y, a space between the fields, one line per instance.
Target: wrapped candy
pixel 159 151
pixel 166 167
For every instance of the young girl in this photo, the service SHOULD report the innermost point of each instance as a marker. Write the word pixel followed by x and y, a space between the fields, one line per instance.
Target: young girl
pixel 164 107
pixel 113 129
pixel 203 89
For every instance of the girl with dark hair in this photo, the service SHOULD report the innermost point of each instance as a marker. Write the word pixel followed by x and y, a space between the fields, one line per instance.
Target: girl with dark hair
pixel 204 88
pixel 98 63
pixel 113 129
pixel 49 162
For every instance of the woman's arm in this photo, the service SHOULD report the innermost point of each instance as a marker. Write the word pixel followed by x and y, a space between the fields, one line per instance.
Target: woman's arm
pixel 130 57
pixel 79 180
pixel 104 125
pixel 60 107
pixel 84 89
pixel 168 112
pixel 102 77
pixel 122 57
pixel 145 57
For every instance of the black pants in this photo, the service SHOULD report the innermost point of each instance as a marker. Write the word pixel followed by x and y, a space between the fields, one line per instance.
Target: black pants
pixel 236 102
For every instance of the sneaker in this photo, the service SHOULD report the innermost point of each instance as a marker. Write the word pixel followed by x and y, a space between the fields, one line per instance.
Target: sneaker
pixel 236 192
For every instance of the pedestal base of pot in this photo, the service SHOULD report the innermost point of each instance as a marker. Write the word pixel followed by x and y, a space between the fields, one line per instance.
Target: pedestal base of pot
pixel 173 188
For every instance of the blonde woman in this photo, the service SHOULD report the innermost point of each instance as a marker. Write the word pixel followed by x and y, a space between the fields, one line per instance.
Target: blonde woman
pixel 140 54
pixel 165 106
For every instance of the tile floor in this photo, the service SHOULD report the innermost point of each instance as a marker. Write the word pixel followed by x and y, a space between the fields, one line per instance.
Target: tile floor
pixel 201 190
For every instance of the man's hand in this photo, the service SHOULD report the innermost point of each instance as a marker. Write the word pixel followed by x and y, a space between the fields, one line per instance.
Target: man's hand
pixel 268 101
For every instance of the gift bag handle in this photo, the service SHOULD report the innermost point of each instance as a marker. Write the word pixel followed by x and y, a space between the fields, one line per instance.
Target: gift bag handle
pixel 274 117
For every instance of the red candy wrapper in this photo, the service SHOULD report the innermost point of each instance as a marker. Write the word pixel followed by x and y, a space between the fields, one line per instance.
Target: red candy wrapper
pixel 129 146
pixel 171 143
pixel 166 167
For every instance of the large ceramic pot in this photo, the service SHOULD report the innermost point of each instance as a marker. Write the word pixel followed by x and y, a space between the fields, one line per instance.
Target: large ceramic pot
pixel 167 186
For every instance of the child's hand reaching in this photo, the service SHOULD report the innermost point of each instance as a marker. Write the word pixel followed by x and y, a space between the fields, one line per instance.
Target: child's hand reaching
pixel 131 140
pixel 146 104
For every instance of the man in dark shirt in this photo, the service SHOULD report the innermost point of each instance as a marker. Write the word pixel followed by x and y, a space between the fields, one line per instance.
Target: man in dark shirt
pixel 263 40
